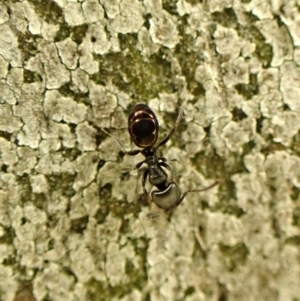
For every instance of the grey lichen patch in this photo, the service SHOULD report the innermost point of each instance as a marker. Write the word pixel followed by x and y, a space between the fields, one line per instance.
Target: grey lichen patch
pixel 118 119
pixel 106 152
pixel 283 127
pixel 111 7
pixel 34 215
pixel 163 30
pixel 8 153
pixel 86 137
pixel 27 160
pixel 271 103
pixel 56 73
pixel 92 11
pixel 88 64
pixel 55 161
pixel 68 52
pixel 111 251
pixel 73 14
pixel 103 102
pixel 90 200
pixel 57 137
pixel 54 282
pixel 290 17
pixel 3 14
pixel 297 55
pixel 129 17
pixel 262 11
pixel 39 184
pixel 280 39
pixel 145 45
pixel 289 85
pixel 82 263
pixel 3 67
pixel 236 134
pixel 228 43
pixel 29 135
pixel 80 80
pixel 193 130
pixel 9 49
pixel 250 33
pixel 95 40
pixel 60 108
pixel 86 170
pixel 8 122
pixel 115 263
pixel 237 73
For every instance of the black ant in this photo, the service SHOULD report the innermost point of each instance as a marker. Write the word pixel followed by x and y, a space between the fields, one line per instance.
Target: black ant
pixel 143 128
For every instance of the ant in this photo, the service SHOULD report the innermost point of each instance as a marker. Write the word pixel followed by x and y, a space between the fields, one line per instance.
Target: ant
pixel 143 128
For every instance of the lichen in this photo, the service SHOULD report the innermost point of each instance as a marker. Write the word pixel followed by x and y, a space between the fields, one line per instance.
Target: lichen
pixel 73 215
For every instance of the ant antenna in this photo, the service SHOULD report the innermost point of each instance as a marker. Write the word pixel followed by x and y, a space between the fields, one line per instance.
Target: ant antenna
pixel 130 153
pixel 165 140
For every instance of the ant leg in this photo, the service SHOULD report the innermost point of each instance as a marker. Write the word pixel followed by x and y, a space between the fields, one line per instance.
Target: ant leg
pixel 144 183
pixel 197 190
pixel 164 164
pixel 164 141
pixel 174 178
pixel 153 215
pixel 139 164
pixel 130 153
pixel 163 159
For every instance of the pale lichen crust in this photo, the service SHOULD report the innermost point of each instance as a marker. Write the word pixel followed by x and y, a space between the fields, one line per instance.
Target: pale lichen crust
pixel 73 218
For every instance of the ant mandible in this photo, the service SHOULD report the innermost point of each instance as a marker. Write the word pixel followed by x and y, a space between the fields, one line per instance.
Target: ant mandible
pixel 143 128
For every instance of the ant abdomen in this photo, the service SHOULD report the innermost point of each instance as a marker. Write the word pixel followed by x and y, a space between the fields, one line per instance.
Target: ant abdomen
pixel 168 198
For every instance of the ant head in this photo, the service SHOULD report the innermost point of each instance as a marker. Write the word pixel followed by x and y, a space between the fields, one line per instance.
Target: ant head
pixel 143 126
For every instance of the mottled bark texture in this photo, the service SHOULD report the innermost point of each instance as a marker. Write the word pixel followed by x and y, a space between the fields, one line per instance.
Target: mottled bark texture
pixel 73 219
